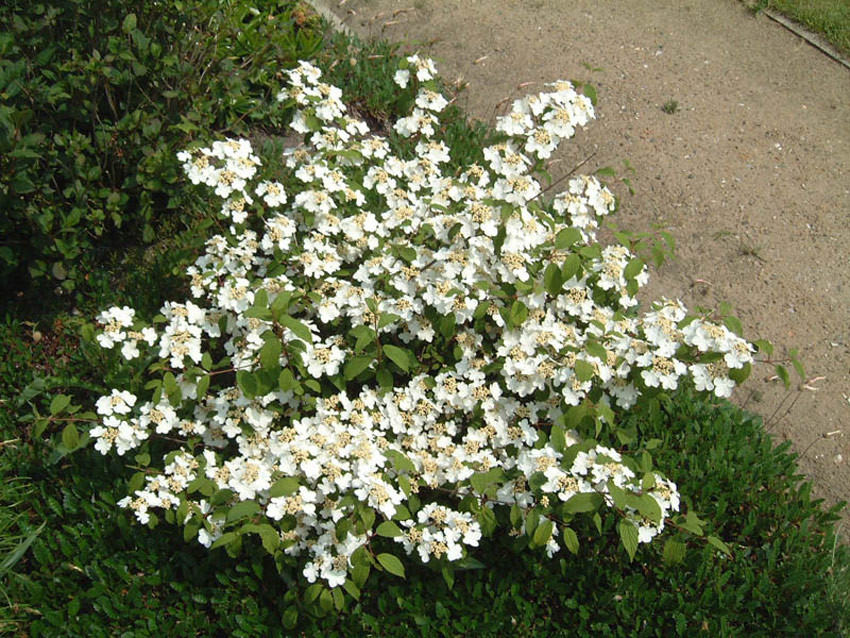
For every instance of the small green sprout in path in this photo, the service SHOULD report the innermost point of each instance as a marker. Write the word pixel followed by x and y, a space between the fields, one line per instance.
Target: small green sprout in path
pixel 670 107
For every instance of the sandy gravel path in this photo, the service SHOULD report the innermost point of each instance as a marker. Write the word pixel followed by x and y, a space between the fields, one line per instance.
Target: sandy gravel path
pixel 751 174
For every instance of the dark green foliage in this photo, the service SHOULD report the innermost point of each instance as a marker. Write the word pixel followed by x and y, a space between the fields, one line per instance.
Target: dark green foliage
pixel 97 99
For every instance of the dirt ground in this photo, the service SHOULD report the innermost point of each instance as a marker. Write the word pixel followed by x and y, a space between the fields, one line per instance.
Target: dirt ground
pixel 751 173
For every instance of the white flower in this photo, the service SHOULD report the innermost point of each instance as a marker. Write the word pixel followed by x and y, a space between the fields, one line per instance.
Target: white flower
pixel 114 321
pixel 118 402
pixel 402 77
pixel 430 100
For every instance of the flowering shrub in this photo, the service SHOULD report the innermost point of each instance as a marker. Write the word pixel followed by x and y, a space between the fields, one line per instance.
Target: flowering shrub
pixel 379 348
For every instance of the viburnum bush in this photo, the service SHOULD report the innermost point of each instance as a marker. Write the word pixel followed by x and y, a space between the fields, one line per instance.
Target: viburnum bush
pixel 384 358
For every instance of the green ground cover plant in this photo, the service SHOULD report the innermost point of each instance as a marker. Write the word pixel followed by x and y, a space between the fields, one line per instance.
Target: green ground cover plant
pixel 830 18
pixel 92 572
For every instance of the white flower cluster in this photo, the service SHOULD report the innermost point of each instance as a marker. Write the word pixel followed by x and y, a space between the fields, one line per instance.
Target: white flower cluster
pixel 399 330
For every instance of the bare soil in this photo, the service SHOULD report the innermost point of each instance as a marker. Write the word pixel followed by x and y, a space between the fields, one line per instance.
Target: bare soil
pixel 751 172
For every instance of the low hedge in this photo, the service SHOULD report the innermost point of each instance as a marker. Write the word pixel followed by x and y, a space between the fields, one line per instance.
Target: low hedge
pixel 98 96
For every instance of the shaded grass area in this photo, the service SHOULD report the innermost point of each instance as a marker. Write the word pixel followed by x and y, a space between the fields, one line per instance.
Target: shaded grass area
pixel 830 18
pixel 93 572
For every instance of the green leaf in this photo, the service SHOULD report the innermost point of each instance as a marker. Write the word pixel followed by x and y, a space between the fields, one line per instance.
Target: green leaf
pixel 384 378
pixel 401 511
pixel 169 383
pixel 543 533
pixel 391 564
pixel 618 494
pixel 203 386
pixel 87 333
pixel 719 544
pixel 449 576
pixel 734 324
pixel 584 370
pixel 280 304
pixel 518 313
pixel 532 520
pixel 386 319
pixel 299 329
pixel 388 529
pixel 649 508
pixel 270 354
pixel 596 349
pixel 480 481
pixel 284 487
pixel 590 91
pixel 360 572
pixel 739 375
pixel 570 540
pixel 605 412
pixel 584 502
pixel 260 309
pixel 286 380
pixel 446 326
pixel 763 345
pixel 242 509
pixel 352 589
pixel 516 516
pixel 629 535
pixel 633 268
pixel 536 480
pixel 467 563
pixel 20 549
pixel 567 237
pixel 557 439
pixel 399 356
pixel 224 539
pixel 59 403
pixel 782 373
pixel 552 279
pixel 70 437
pixel 290 617
pixel 247 383
pixel 129 23
pixel 364 335
pixel 339 598
pixel 325 600
pixel 261 299
pixel 221 497
pixel 674 552
pixel 570 267
pixel 190 532
pixel 367 515
pixel 201 484
pixel 356 365
pixel 691 523
pixel 312 593
pixel 400 462
pixel 798 366
pixel 269 537
pixel 143 459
